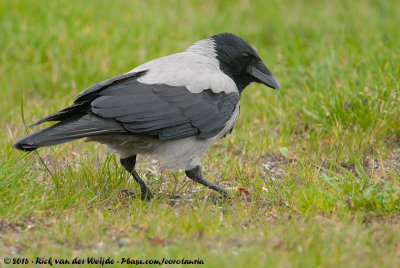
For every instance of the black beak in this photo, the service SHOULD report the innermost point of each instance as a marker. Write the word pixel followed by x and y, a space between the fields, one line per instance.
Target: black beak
pixel 263 75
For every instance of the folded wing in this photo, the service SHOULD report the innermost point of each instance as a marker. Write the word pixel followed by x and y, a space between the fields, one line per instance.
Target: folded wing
pixel 165 112
pixel 122 105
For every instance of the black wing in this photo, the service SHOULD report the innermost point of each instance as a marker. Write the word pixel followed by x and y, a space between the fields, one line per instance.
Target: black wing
pixel 156 110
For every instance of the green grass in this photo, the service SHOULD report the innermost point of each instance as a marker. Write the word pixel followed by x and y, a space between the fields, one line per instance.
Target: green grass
pixel 320 157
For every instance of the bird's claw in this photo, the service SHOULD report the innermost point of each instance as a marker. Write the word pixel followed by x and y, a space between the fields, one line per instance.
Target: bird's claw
pixel 144 196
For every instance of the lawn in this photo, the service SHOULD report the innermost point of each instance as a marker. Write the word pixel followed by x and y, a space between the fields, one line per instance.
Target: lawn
pixel 320 157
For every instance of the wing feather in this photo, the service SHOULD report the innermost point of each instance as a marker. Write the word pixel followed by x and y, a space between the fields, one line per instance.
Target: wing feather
pixel 166 111
pixel 156 110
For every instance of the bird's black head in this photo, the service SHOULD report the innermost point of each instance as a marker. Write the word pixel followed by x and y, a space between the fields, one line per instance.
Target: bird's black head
pixel 241 62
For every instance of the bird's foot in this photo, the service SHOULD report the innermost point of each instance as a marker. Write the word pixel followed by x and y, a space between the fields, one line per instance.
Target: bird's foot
pixel 129 193
pixel 144 196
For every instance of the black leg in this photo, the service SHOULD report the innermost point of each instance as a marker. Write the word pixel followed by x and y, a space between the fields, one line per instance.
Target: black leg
pixel 129 164
pixel 195 175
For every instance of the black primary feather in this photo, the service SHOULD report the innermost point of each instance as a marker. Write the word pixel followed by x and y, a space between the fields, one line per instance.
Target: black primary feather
pixel 84 98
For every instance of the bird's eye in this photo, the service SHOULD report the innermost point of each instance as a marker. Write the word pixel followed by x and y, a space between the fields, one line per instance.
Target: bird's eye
pixel 245 55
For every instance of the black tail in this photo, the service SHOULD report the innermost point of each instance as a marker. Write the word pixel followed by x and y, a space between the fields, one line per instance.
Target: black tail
pixel 68 130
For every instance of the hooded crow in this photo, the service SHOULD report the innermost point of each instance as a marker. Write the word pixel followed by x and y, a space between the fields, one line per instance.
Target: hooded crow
pixel 172 108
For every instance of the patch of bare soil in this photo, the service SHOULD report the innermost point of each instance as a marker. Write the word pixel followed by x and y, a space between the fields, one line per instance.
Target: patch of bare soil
pixel 10 231
pixel 392 163
pixel 16 226
pixel 274 166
